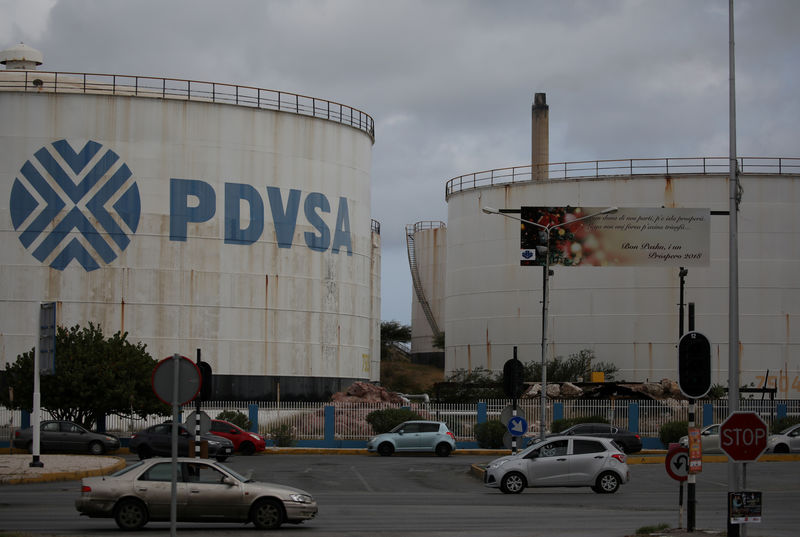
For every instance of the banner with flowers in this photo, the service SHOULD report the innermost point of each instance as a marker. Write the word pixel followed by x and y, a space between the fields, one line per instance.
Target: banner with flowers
pixel 631 236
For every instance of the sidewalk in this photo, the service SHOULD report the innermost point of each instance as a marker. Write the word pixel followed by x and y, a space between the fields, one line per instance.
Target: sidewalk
pixel 16 469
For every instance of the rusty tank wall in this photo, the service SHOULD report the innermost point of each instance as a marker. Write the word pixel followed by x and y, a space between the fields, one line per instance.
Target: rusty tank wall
pixel 628 315
pixel 242 232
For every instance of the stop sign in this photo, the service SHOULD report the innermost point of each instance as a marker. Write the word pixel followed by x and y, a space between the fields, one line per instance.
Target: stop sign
pixel 743 436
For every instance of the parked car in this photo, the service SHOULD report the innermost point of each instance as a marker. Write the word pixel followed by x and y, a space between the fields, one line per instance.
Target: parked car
pixel 787 441
pixel 417 435
pixel 61 436
pixel 709 438
pixel 206 492
pixel 157 441
pixel 561 461
pixel 244 442
pixel 628 441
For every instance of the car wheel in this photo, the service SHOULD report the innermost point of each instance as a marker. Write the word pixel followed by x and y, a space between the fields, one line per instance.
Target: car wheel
pixel 385 449
pixel 96 448
pixel 247 448
pixel 513 483
pixel 443 449
pixel 267 514
pixel 607 483
pixel 144 452
pixel 781 448
pixel 130 514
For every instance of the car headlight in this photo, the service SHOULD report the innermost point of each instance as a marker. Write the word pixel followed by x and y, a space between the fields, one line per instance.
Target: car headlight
pixel 301 498
pixel 497 464
pixel 213 443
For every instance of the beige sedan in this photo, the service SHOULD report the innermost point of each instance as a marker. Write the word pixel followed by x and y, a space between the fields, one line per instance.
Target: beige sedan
pixel 207 491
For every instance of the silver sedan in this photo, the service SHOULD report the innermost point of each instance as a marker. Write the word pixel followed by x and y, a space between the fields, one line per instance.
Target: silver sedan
pixel 207 491
pixel 709 438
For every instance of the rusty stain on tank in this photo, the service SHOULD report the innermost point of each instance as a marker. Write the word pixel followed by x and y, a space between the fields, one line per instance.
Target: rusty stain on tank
pixel 488 351
pixel 469 357
pixel 669 192
pixel 122 315
pixel 266 323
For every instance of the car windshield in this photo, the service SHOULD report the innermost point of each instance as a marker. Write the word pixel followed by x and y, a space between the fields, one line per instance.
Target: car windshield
pixel 235 474
pixel 788 429
pixel 399 428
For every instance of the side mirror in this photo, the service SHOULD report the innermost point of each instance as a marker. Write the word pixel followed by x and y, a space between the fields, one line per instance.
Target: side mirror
pixel 400 432
pixel 228 481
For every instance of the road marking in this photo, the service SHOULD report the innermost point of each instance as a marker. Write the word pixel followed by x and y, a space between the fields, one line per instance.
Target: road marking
pixel 361 478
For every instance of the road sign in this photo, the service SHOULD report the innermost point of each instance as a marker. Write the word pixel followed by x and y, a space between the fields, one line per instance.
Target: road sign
pixel 164 378
pixel 743 436
pixel 517 426
pixel 677 463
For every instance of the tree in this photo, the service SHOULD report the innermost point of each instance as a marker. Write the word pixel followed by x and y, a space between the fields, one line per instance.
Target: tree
pixel 392 332
pixel 94 377
pixel 577 366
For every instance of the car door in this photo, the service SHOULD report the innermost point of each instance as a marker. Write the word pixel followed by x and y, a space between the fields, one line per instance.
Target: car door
pixel 585 461
pixel 408 437
pixel 548 466
pixel 73 437
pixel 209 497
pixel 154 487
pixel 50 436
pixel 794 439
pixel 429 433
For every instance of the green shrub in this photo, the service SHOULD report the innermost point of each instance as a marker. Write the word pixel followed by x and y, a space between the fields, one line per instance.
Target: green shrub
pixel 282 434
pixel 235 417
pixel 383 421
pixel 672 431
pixel 566 423
pixel 783 423
pixel 489 434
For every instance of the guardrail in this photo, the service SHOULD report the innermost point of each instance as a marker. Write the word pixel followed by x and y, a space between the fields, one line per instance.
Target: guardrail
pixel 183 89
pixel 623 167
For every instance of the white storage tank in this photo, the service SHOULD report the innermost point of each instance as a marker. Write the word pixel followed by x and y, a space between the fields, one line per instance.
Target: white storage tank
pixel 192 215
pixel 628 315
pixel 427 254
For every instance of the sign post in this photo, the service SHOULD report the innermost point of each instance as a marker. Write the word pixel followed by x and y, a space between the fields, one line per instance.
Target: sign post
pixel 513 384
pixel 677 465
pixel 743 437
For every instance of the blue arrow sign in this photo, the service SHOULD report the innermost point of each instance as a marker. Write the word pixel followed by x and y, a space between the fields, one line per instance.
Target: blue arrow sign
pixel 517 426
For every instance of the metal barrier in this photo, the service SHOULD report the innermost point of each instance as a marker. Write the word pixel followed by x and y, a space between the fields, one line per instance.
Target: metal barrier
pixel 623 167
pixel 189 90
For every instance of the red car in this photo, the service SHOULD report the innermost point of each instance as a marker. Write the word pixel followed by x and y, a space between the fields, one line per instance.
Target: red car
pixel 244 442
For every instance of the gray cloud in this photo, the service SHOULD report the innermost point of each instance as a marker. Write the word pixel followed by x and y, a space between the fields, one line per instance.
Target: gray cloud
pixel 450 83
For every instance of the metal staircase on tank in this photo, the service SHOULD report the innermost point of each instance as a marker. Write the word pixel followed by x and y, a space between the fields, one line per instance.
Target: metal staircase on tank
pixel 411 230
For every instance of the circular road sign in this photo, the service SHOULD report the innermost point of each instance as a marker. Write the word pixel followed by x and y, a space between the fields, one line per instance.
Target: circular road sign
pixel 517 426
pixel 164 379
pixel 743 436
pixel 677 463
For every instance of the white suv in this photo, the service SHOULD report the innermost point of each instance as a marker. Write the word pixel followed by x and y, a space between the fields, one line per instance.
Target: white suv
pixel 415 436
pixel 561 461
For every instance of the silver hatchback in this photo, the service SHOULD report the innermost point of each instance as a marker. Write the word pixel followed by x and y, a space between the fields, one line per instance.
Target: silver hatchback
pixel 561 461
pixel 416 435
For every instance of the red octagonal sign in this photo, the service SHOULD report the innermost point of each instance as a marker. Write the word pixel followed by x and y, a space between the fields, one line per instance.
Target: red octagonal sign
pixel 743 436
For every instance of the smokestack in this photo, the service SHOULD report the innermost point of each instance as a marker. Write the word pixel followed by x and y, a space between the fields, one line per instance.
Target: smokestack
pixel 540 138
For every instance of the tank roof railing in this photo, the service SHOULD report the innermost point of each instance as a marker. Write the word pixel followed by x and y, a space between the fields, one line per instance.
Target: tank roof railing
pixel 587 169
pixel 424 224
pixel 190 90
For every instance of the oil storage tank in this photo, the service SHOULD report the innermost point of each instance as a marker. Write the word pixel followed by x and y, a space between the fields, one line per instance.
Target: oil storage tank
pixel 192 215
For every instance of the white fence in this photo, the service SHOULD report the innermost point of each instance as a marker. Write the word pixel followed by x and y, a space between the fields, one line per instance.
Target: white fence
pixel 308 419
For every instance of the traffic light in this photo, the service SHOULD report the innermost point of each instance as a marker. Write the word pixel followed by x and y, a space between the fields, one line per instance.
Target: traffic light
pixel 205 382
pixel 694 365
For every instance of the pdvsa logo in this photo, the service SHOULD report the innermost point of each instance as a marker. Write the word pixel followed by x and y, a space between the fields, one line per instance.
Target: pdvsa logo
pixel 76 203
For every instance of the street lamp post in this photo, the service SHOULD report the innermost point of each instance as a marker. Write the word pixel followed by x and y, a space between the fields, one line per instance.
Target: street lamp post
pixel 546 296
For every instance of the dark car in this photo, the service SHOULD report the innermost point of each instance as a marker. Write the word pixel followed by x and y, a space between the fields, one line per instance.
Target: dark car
pixel 157 441
pixel 244 442
pixel 628 441
pixel 62 436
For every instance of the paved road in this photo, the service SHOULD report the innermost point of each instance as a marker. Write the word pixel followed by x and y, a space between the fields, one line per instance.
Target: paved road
pixel 363 495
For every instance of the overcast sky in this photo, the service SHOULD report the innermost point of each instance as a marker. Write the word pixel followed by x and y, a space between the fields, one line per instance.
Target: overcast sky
pixel 450 83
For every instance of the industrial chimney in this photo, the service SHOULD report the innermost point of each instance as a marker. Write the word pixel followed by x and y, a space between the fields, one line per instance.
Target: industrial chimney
pixel 540 138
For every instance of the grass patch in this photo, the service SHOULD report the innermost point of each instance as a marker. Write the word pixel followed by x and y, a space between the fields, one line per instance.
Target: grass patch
pixel 647 530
